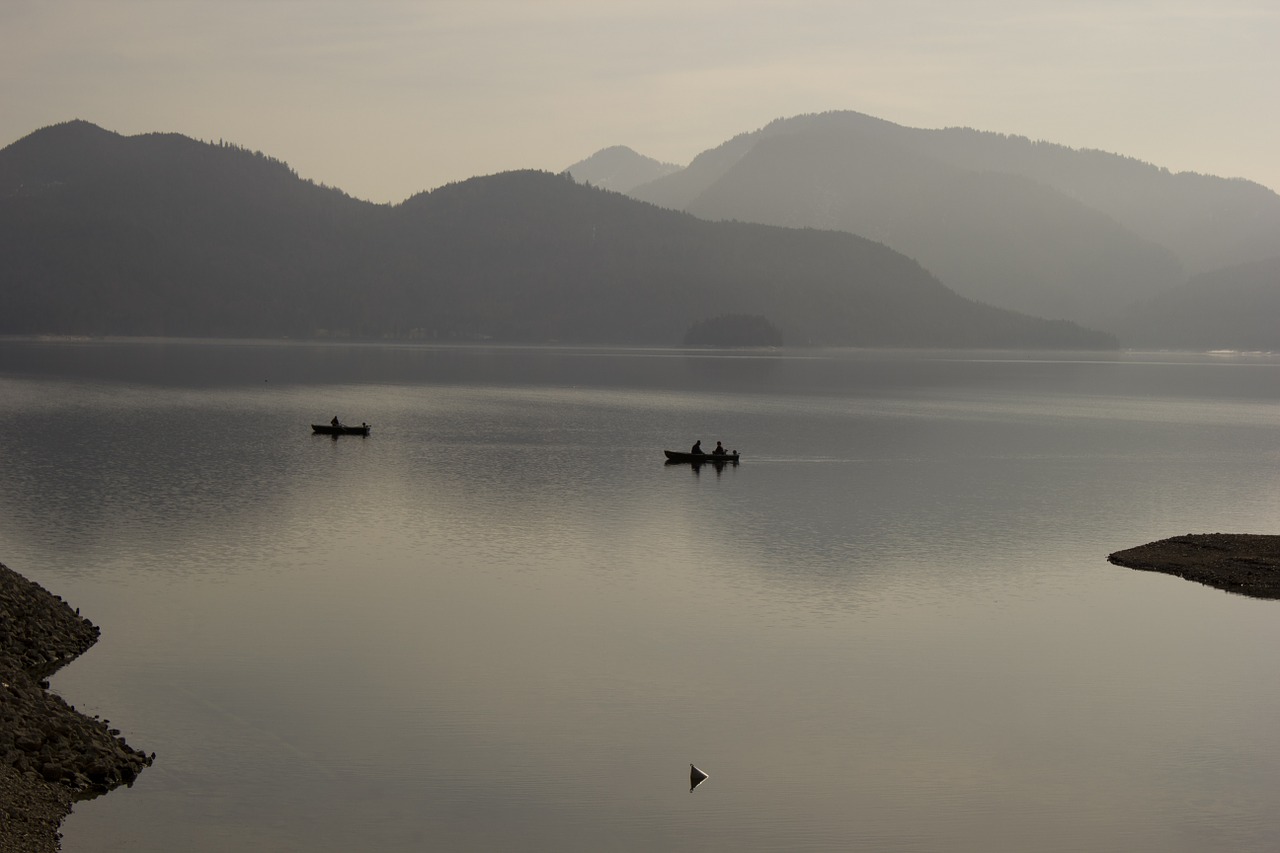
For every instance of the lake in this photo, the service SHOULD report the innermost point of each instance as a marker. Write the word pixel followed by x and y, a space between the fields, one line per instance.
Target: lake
pixel 501 622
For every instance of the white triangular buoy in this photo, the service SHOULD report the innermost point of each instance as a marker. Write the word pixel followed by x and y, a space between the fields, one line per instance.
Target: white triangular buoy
pixel 696 777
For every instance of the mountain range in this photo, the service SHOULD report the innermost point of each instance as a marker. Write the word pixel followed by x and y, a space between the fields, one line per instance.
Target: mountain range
pixel 837 229
pixel 159 234
pixel 1087 236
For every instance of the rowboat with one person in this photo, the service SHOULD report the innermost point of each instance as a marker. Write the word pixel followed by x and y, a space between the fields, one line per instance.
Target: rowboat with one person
pixel 340 429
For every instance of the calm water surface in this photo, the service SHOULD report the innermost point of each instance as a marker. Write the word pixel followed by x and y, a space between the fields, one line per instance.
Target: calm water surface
pixel 502 623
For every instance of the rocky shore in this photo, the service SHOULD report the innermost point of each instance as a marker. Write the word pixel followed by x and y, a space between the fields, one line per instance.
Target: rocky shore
pixel 50 754
pixel 1243 563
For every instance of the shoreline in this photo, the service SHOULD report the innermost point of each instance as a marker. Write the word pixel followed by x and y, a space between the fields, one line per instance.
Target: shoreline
pixel 51 755
pixel 1242 563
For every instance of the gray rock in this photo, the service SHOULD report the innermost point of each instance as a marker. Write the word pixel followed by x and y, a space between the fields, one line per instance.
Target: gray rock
pixel 51 753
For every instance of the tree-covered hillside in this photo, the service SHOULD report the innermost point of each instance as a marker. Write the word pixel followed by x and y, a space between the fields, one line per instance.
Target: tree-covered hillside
pixel 163 235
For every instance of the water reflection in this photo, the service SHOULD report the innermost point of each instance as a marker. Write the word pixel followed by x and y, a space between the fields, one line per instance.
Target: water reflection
pixel 715 465
pixel 696 465
pixel 733 369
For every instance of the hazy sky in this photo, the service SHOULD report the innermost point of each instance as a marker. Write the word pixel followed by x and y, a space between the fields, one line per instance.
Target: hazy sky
pixel 384 99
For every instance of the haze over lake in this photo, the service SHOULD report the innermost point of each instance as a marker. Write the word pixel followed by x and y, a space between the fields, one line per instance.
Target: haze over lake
pixel 502 622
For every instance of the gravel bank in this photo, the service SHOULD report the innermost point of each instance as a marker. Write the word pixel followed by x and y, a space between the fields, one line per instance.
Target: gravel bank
pixel 1244 563
pixel 50 754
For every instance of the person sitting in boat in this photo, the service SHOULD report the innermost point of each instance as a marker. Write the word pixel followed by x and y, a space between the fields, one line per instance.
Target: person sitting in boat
pixel 697 448
pixel 335 421
pixel 719 451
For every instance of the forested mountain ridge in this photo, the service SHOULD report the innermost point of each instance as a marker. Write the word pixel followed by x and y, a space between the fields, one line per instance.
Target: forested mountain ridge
pixel 1033 226
pixel 163 235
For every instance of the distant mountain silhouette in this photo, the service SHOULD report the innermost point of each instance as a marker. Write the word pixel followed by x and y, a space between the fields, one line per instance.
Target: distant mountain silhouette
pixel 1036 227
pixel 619 169
pixel 159 234
pixel 1231 308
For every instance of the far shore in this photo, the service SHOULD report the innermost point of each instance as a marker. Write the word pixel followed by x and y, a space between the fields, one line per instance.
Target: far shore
pixel 1243 563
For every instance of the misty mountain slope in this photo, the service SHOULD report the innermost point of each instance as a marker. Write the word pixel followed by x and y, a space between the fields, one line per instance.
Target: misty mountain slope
pixel 832 181
pixel 620 169
pixel 999 238
pixel 163 235
pixel 1071 233
pixel 1232 308
pixel 679 189
pixel 1206 221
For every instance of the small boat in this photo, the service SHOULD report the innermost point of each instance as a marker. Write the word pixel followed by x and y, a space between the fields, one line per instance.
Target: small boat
pixel 340 429
pixel 699 458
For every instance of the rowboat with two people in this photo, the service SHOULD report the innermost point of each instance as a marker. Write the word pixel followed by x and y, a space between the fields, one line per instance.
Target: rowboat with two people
pixel 696 456
pixel 676 456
